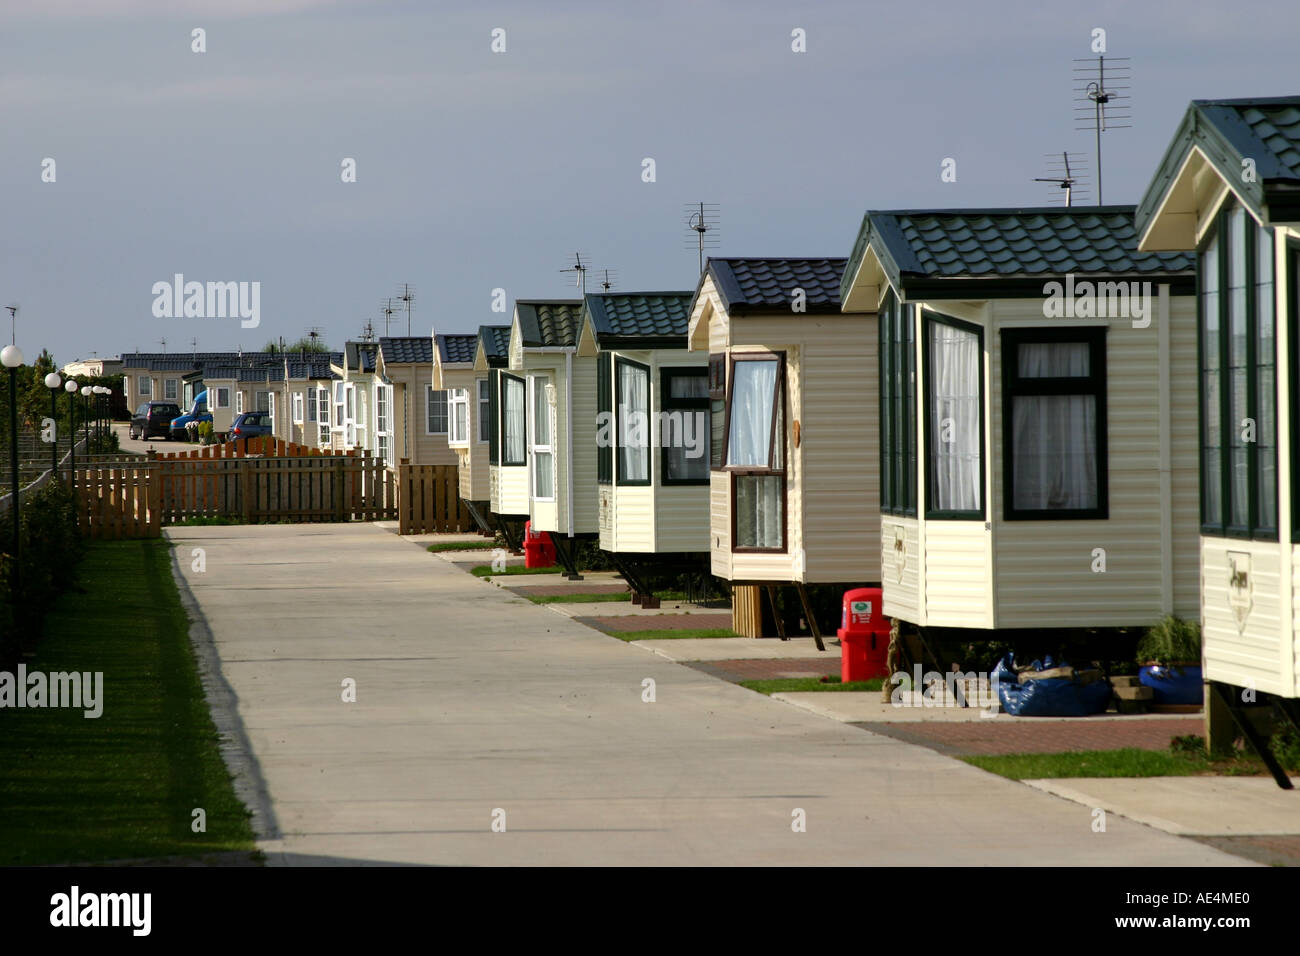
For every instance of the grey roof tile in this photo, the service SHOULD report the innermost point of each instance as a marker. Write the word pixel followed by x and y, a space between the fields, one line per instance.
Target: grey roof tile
pixel 768 284
pixel 640 315
pixel 407 349
pixel 455 347
pixel 496 344
pixel 549 323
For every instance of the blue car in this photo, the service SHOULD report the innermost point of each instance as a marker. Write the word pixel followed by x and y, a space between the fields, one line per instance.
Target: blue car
pixel 250 425
pixel 198 413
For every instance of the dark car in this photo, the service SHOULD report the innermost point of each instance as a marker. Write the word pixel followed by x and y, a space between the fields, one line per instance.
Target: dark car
pixel 250 425
pixel 154 418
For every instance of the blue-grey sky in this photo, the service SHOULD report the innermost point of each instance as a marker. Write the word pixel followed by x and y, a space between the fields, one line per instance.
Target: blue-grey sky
pixel 478 170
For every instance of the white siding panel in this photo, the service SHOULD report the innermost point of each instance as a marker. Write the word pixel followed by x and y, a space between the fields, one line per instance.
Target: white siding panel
pixel 899 568
pixel 1249 655
pixel 958 590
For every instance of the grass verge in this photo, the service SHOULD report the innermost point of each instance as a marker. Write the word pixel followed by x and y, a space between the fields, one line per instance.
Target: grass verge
pixel 578 598
pixel 790 685
pixel 122 785
pixel 484 545
pixel 698 633
pixel 1126 762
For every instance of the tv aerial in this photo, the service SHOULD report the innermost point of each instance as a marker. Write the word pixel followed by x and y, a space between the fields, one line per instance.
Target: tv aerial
pixel 580 269
pixel 1067 172
pixel 703 220
pixel 407 295
pixel 1101 86
pixel 389 311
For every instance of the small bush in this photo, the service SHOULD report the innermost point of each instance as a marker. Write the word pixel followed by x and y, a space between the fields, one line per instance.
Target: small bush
pixel 51 548
pixel 1285 744
pixel 1171 641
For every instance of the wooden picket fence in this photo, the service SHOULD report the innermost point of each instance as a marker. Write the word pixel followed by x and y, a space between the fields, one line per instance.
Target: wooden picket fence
pixel 428 500
pixel 265 446
pixel 131 499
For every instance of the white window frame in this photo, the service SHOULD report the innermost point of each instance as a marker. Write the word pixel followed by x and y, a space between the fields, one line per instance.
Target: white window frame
pixel 298 404
pixel 338 419
pixel 145 386
pixel 349 410
pixel 458 398
pixel 270 408
pixel 311 404
pixel 384 423
pixel 171 389
pixel 482 422
pixel 323 409
pixel 239 401
pixel 537 387
pixel 223 396
pixel 429 392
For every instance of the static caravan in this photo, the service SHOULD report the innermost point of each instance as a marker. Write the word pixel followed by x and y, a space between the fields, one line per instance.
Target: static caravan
pixel 306 388
pixel 410 415
pixel 350 405
pixel 652 432
pixel 468 415
pixel 541 328
pixel 1037 453
pixel 491 353
pixel 1229 189
pixel 549 391
pixel 792 467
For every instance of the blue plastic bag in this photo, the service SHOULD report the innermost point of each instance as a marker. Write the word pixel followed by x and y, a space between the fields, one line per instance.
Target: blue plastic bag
pixel 1050 697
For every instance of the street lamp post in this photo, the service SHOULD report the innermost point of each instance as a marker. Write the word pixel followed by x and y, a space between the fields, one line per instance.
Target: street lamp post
pixel 54 382
pixel 11 356
pixel 85 414
pixel 70 386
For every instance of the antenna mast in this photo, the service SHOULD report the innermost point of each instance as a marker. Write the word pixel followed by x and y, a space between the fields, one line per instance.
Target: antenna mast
pixel 581 269
pixel 407 295
pixel 702 219
pixel 1068 175
pixel 1104 102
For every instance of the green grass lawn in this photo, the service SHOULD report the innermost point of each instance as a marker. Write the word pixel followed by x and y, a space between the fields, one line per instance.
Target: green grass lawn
pixel 789 685
pixel 122 785
pixel 698 633
pixel 485 571
pixel 578 598
pixel 483 545
pixel 1127 762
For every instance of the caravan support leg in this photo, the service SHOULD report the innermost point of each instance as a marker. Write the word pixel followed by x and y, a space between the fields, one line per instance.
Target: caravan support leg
pixel 566 549
pixel 807 610
pixel 1228 697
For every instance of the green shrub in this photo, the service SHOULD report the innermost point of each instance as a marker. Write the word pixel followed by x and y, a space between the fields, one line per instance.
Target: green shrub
pixel 1171 641
pixel 51 548
pixel 1285 744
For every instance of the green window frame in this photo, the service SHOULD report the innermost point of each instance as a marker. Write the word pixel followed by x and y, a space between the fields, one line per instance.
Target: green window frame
pixel 898 438
pixel 683 416
pixel 1237 361
pixel 494 418
pixel 632 459
pixel 605 435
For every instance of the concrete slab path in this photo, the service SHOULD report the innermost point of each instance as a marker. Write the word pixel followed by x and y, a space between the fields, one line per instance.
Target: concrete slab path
pixel 474 705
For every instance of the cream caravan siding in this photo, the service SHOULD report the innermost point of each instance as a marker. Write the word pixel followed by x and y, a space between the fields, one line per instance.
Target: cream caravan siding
pixel 1295 629
pixel 510 497
pixel 1044 570
pixel 840 453
pixel 900 562
pixel 634 524
pixel 958 589
pixel 1248 653
pixel 554 516
pixel 682 519
pixel 720 525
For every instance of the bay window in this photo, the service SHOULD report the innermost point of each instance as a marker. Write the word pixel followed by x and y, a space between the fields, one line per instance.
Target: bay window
pixel 755 451
pixel 685 426
pixel 633 422
pixel 1054 423
pixel 717 409
pixel 954 426
pixel 513 419
pixel 543 455
pixel 1238 380
pixel 323 405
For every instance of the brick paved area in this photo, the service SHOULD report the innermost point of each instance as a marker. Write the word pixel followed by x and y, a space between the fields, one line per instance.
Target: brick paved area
pixel 658 622
pixel 1030 736
pixel 1269 850
pixel 738 670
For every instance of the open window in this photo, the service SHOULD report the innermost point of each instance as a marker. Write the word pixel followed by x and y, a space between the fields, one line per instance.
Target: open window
pixel 954 418
pixel 540 440
pixel 1054 423
pixel 632 385
pixel 755 451
pixel 684 425
pixel 514 417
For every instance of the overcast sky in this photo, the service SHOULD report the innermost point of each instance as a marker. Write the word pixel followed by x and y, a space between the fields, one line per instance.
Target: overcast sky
pixel 478 170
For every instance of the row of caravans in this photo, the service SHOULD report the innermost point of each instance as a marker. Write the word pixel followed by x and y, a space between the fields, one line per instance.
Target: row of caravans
pixel 987 412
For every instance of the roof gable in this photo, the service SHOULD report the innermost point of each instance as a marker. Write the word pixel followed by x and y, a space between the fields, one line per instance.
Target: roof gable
pixel 548 323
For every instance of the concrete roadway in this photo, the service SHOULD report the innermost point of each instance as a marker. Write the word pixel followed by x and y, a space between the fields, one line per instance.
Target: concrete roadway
pixel 470 701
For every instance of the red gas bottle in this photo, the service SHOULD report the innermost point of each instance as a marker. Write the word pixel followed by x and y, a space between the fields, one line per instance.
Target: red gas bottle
pixel 864 636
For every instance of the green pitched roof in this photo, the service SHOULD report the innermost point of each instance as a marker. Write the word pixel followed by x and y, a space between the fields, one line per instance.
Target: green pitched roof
pixel 495 340
pixel 1265 131
pixel 1003 252
pixel 656 319
pixel 549 323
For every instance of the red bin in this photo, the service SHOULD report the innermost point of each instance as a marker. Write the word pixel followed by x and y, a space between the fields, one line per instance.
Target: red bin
pixel 539 549
pixel 864 636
